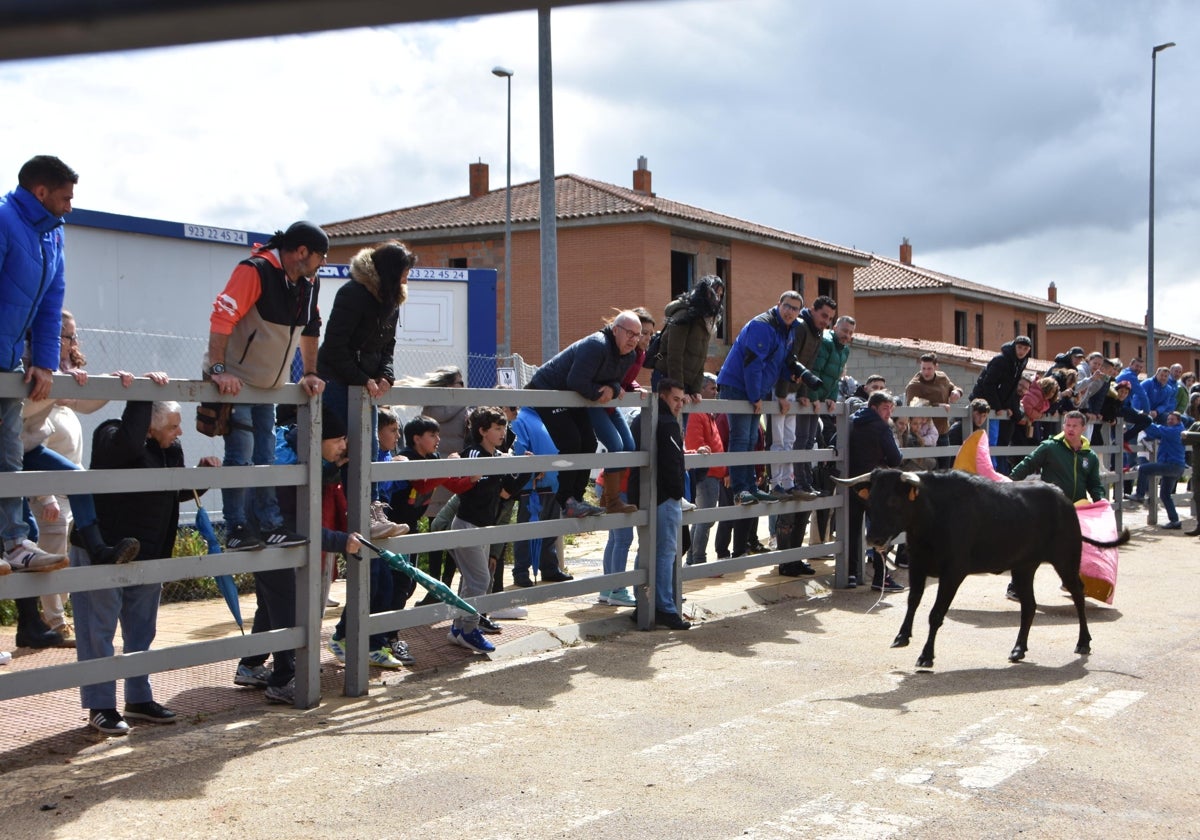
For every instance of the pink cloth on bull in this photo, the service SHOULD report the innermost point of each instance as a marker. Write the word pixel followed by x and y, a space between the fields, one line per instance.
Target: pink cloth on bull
pixel 975 457
pixel 1098 566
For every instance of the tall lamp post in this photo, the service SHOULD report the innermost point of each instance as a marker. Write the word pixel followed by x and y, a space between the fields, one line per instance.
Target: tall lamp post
pixel 506 348
pixel 1150 361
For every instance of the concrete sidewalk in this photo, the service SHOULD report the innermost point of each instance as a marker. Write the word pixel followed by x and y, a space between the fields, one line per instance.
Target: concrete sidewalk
pixel 53 724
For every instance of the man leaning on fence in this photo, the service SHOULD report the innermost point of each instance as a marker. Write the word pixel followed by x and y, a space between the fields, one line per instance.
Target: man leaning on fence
pixel 266 310
pixel 146 436
pixel 32 287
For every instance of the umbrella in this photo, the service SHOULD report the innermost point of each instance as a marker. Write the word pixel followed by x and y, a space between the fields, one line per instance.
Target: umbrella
pixel 436 588
pixel 535 544
pixel 224 582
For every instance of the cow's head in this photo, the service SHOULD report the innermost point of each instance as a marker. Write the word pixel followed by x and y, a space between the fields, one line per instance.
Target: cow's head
pixel 887 495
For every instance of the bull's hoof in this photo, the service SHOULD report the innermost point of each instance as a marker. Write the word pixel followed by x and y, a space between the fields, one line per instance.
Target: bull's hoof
pixel 924 661
pixel 1083 650
pixel 900 641
pixel 1017 655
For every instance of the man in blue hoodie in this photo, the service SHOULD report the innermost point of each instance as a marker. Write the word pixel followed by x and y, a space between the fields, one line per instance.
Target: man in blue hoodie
pixel 1169 467
pixel 31 300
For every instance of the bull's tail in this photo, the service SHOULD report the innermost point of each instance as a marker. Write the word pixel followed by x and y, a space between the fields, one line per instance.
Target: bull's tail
pixel 1121 539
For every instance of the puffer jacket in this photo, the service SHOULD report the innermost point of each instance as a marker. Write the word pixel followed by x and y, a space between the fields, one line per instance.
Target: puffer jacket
pixel 998 382
pixel 585 367
pixel 32 287
pixel 755 362
pixel 360 336
pixel 828 364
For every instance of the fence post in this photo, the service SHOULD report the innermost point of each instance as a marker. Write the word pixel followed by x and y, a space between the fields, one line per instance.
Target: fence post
pixel 358 572
pixel 310 603
pixel 648 534
pixel 843 561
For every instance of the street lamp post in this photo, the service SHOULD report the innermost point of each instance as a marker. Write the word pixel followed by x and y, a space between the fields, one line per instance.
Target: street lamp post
pixel 506 348
pixel 1150 361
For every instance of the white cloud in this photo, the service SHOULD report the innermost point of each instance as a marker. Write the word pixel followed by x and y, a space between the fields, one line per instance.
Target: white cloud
pixel 1007 140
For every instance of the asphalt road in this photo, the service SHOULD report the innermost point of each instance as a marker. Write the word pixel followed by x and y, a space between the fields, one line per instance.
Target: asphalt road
pixel 794 720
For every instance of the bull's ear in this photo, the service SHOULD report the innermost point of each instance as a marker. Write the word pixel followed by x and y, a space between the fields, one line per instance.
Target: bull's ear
pixel 864 493
pixel 913 492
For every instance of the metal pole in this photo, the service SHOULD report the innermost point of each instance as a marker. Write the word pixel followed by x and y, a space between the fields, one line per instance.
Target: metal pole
pixel 549 213
pixel 1151 364
pixel 506 347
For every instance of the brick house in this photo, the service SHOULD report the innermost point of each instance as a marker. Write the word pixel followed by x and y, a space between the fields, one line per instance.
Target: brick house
pixel 896 299
pixel 618 247
pixel 1071 327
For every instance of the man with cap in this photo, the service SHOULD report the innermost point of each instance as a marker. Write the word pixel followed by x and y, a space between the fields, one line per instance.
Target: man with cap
pixel 267 310
pixel 1070 359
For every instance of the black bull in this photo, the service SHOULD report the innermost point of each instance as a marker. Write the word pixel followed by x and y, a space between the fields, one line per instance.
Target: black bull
pixel 959 524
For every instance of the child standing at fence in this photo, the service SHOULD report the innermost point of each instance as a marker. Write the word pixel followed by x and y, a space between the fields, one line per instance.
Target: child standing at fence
pixel 479 506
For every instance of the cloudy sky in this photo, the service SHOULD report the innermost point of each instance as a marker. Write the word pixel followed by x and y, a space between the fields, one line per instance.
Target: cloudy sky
pixel 1008 141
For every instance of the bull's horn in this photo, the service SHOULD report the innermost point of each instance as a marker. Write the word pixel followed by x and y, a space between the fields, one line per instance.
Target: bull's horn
pixel 846 482
pixel 911 478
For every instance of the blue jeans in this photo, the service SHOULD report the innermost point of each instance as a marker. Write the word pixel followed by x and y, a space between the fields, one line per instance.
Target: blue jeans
pixel 616 550
pixel 670 520
pixel 83 507
pixel 251 441
pixel 742 436
pixel 12 518
pixel 97 614
pixel 708 492
pixel 1168 479
pixel 611 429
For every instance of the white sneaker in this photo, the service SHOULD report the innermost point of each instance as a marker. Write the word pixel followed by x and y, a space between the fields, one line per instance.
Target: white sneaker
pixel 29 557
pixel 5 657
pixel 686 505
pixel 516 611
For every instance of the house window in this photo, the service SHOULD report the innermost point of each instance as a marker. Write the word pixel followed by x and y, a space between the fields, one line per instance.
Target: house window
pixel 1016 328
pixel 798 283
pixel 458 262
pixel 978 329
pixel 723 272
pixel 1107 350
pixel 827 287
pixel 683 269
pixel 1117 349
pixel 1031 331
pixel 960 328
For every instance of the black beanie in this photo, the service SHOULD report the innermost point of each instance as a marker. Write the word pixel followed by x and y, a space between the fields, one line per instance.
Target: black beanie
pixel 331 424
pixel 304 234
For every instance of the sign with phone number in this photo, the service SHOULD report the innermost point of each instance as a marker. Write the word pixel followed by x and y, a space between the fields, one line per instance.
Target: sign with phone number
pixel 213 234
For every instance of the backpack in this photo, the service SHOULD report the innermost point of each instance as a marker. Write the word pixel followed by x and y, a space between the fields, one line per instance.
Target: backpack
pixel 653 351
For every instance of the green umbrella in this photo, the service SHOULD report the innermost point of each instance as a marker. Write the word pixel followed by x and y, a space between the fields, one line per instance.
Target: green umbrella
pixel 436 588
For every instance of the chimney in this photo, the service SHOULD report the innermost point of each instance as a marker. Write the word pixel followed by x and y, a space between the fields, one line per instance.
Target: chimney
pixel 479 179
pixel 641 177
pixel 905 251
pixel 1052 292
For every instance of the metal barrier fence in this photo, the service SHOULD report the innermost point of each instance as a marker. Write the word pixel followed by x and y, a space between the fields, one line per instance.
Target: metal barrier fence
pixel 306 476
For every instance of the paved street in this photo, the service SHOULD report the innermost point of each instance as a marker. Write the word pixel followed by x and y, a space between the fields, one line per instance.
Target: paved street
pixel 788 720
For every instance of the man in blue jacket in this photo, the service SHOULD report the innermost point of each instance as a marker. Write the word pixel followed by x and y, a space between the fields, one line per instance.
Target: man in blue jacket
pixel 752 369
pixel 31 300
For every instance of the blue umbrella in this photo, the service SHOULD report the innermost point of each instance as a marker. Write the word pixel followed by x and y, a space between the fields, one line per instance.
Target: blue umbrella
pixel 535 544
pixel 224 582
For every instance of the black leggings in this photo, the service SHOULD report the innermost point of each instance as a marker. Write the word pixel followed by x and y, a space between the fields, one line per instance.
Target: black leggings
pixel 571 431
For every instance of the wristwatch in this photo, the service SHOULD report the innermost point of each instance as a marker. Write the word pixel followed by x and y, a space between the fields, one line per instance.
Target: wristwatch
pixel 216 369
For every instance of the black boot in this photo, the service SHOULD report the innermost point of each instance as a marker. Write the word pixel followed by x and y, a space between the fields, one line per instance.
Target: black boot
pixel 32 632
pixel 90 539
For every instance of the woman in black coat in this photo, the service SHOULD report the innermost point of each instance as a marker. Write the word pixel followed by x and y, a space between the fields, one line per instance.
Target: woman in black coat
pixel 360 335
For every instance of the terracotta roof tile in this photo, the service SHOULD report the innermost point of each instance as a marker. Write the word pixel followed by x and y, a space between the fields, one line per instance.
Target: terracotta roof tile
pixel 1070 316
pixel 888 275
pixel 575 198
